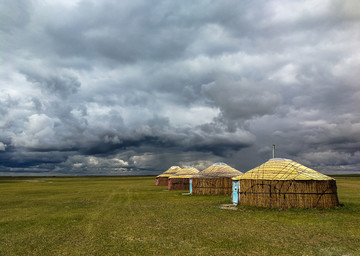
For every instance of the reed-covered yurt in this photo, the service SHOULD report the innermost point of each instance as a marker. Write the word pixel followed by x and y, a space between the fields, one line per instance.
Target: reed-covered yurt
pixel 283 183
pixel 180 180
pixel 162 179
pixel 214 180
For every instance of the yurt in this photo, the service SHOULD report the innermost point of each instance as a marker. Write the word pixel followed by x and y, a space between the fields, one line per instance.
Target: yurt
pixel 162 179
pixel 283 183
pixel 214 180
pixel 180 180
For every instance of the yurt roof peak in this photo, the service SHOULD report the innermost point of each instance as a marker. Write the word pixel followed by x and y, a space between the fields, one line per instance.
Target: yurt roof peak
pixel 218 164
pixel 186 172
pixel 279 159
pixel 220 170
pixel 283 169
pixel 171 171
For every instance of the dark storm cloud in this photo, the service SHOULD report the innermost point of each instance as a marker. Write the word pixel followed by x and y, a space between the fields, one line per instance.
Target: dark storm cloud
pixel 109 87
pixel 60 85
pixel 242 100
pixel 122 32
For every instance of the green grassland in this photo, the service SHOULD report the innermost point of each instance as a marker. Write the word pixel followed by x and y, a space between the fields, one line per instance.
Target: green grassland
pixel 131 216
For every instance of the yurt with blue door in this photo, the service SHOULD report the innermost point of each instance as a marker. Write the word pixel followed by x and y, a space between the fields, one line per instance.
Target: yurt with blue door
pixel 214 180
pixel 180 180
pixel 283 183
pixel 163 179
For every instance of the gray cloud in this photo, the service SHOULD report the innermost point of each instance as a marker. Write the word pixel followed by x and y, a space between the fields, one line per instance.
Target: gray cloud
pixel 242 100
pixel 133 87
pixel 14 14
pixel 61 86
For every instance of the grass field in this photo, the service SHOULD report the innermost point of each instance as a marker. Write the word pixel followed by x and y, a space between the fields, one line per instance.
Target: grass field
pixel 131 216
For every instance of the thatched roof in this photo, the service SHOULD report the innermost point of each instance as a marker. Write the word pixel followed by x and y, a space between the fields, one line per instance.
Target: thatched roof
pixel 186 172
pixel 282 169
pixel 171 171
pixel 218 170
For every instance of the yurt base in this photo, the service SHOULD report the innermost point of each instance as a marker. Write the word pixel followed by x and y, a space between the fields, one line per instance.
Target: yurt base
pixel 288 194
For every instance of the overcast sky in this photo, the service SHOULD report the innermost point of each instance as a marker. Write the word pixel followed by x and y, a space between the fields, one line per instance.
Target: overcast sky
pixel 132 87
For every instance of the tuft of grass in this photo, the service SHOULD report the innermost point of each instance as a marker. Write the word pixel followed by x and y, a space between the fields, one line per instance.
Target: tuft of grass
pixel 131 216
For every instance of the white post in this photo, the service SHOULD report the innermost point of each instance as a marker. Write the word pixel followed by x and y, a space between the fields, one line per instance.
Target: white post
pixel 273 151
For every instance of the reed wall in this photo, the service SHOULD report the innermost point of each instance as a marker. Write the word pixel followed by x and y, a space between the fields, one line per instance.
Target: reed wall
pixel 289 193
pixel 212 186
pixel 162 181
pixel 179 184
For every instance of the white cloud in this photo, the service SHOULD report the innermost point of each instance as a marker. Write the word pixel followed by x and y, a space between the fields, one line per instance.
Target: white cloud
pixel 287 74
pixel 292 11
pixel 2 146
pixel 188 116
pixel 38 132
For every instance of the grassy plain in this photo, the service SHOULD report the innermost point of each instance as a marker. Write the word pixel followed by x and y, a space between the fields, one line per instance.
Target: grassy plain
pixel 131 216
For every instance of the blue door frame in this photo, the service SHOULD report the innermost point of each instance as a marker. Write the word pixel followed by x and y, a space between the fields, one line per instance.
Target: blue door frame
pixel 190 186
pixel 235 192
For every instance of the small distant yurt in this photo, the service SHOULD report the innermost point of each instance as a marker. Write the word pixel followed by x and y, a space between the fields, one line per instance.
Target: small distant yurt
pixel 180 180
pixel 162 179
pixel 283 183
pixel 214 180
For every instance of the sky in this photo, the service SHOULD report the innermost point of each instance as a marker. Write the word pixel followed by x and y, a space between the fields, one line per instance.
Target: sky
pixel 132 87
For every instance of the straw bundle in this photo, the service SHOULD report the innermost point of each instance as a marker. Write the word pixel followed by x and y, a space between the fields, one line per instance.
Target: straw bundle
pixel 162 179
pixel 283 183
pixel 180 180
pixel 214 180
